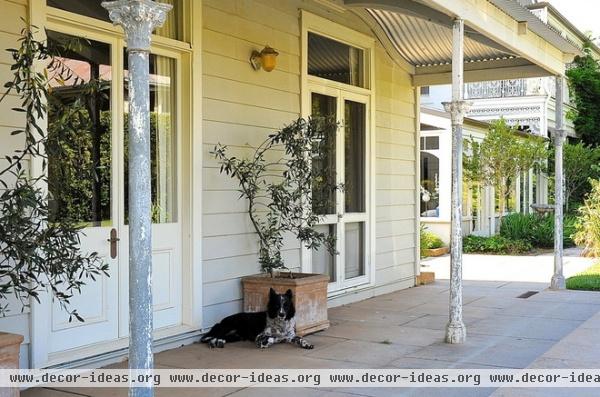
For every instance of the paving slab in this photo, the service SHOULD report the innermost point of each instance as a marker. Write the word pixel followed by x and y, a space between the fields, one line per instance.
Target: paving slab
pixel 499 351
pixel 371 354
pixel 531 327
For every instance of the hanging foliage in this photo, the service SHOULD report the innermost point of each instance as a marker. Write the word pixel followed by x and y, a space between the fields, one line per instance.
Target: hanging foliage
pixel 37 252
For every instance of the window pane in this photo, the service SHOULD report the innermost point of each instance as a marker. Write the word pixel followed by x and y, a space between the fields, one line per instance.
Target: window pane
pixel 430 171
pixel 163 144
pixel 323 261
pixel 432 143
pixel 355 246
pixel 79 131
pixel 354 156
pixel 335 61
pixel 324 162
pixel 172 28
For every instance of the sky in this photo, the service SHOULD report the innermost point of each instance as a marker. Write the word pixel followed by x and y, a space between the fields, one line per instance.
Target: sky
pixel 584 14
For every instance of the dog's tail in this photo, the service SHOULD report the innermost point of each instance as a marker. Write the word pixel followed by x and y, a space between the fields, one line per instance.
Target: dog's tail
pixel 213 333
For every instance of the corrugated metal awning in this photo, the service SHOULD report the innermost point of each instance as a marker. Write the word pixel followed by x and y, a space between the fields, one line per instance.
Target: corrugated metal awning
pixel 423 43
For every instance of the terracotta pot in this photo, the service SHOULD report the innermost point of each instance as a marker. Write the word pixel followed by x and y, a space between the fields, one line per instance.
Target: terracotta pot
pixel 436 251
pixel 9 358
pixel 310 297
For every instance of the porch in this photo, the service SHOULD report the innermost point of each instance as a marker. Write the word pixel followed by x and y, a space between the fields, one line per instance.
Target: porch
pixel 405 329
pixel 206 241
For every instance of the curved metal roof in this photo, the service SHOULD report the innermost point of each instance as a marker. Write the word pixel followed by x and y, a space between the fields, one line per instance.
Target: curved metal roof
pixel 423 43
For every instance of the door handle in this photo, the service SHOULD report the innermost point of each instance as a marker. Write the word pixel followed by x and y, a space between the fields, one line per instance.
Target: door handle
pixel 113 243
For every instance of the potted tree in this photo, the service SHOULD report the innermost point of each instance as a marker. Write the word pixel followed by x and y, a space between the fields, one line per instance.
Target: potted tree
pixel 37 252
pixel 277 181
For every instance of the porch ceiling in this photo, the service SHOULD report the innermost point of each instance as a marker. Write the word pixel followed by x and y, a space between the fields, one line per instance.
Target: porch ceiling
pixel 420 33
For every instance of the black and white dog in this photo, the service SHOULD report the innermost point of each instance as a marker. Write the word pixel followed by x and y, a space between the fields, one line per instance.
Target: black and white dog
pixel 276 325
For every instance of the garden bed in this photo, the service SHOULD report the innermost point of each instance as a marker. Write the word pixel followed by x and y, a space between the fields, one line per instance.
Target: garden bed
pixel 521 234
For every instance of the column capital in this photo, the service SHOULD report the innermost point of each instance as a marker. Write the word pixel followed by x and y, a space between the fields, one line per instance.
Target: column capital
pixel 457 110
pixel 138 18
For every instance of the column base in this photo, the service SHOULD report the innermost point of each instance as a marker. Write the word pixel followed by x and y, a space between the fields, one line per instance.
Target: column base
pixel 558 282
pixel 456 332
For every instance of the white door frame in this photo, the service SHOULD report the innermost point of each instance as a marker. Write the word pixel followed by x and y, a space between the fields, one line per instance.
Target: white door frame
pixel 309 84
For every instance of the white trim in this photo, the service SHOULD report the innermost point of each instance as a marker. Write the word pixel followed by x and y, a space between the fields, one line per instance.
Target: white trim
pixel 309 84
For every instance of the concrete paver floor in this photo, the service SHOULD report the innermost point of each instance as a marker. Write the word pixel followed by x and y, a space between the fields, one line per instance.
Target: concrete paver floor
pixel 405 329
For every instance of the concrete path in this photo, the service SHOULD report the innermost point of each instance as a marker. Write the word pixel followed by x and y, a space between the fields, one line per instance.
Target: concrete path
pixel 405 329
pixel 537 268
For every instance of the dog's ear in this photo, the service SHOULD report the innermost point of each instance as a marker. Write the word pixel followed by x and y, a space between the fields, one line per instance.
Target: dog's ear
pixel 291 309
pixel 273 304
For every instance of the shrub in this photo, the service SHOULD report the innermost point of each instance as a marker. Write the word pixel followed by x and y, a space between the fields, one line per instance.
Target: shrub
pixel 494 245
pixel 518 226
pixel 537 230
pixel 588 225
pixel 429 240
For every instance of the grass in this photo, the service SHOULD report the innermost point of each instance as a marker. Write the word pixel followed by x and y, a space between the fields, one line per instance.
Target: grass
pixel 588 280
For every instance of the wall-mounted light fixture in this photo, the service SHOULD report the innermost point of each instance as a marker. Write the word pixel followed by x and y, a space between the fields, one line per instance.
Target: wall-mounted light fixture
pixel 267 59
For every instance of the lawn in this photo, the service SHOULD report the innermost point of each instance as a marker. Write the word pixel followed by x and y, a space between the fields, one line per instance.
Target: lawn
pixel 588 280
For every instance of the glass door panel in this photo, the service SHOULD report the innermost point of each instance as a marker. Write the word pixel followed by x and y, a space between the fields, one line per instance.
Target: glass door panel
pixel 163 143
pixel 354 156
pixel 79 131
pixel 354 254
pixel 323 261
pixel 324 163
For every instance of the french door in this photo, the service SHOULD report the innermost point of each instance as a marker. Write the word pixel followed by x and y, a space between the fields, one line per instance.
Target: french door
pixel 343 161
pixel 88 182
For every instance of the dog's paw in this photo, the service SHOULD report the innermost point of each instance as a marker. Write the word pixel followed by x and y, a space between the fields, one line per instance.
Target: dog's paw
pixel 264 341
pixel 216 342
pixel 306 345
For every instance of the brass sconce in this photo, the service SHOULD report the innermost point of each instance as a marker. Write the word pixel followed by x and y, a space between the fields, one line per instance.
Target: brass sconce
pixel 267 59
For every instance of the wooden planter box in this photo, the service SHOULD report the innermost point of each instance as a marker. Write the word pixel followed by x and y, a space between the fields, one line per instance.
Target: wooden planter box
pixel 9 358
pixel 310 297
pixel 436 251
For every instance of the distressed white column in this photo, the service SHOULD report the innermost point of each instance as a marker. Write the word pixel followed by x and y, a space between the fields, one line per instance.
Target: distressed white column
pixel 558 280
pixel 139 18
pixel 455 330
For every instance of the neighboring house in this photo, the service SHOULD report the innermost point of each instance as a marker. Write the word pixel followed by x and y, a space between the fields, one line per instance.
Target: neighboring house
pixel 436 156
pixel 359 60
pixel 526 102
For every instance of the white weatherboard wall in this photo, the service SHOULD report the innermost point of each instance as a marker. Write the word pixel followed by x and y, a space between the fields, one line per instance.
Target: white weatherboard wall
pixel 242 106
pixel 13 11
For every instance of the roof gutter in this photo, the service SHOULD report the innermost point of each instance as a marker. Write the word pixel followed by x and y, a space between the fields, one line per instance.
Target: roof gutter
pixel 521 14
